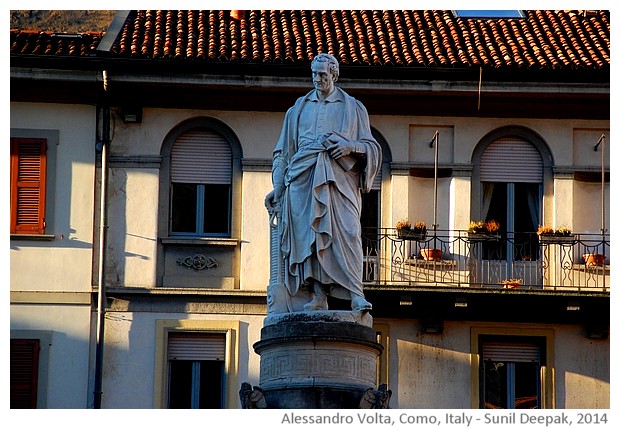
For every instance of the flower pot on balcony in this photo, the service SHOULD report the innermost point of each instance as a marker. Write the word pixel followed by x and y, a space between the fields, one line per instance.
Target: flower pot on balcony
pixel 482 236
pixel 557 239
pixel 431 254
pixel 594 259
pixel 512 285
pixel 410 234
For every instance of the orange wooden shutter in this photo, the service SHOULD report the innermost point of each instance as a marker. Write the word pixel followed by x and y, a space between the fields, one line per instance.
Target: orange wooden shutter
pixel 28 172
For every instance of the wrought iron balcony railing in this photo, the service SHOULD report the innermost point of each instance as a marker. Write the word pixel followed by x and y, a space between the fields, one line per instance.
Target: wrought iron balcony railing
pixel 510 260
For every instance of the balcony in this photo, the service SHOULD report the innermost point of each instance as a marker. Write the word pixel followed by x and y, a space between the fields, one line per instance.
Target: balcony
pixel 522 261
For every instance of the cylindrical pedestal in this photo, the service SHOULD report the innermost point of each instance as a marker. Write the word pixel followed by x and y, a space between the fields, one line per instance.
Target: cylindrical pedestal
pixel 319 359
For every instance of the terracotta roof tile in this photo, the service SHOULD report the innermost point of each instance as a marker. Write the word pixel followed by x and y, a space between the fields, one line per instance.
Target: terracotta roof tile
pixel 25 42
pixel 401 38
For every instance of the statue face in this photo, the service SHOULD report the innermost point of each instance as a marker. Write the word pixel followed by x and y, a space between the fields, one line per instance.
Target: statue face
pixel 322 78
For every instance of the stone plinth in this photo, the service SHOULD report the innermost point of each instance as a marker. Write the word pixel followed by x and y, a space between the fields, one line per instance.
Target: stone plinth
pixel 319 359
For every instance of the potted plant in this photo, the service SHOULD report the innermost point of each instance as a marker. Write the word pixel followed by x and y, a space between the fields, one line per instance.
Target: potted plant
pixel 403 227
pixel 431 254
pixel 512 283
pixel 483 230
pixel 405 231
pixel 561 235
pixel 593 259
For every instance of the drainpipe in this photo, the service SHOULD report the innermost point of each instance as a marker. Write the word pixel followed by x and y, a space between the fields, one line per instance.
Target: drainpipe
pixel 103 115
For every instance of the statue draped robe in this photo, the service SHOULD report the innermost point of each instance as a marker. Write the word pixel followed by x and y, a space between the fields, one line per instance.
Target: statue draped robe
pixel 321 205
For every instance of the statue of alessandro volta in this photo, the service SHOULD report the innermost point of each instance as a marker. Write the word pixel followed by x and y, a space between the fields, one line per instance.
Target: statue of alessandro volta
pixel 324 159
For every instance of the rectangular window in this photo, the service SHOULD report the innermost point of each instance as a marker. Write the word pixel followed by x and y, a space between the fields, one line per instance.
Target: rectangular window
pixel 24 372
pixel 28 180
pixel 196 370
pixel 510 372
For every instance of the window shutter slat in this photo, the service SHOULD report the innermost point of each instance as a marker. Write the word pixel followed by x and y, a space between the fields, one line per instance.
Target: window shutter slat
pixel 28 180
pixel 24 373
pixel 510 352
pixel 201 156
pixel 511 160
pixel 196 347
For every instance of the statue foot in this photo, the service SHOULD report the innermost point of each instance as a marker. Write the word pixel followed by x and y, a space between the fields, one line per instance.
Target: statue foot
pixel 316 304
pixel 358 303
pixel 319 300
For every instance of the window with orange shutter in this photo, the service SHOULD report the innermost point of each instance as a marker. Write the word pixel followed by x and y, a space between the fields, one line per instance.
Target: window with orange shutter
pixel 28 180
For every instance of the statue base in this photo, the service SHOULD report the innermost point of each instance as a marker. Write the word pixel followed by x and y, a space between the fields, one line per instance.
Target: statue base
pixel 316 359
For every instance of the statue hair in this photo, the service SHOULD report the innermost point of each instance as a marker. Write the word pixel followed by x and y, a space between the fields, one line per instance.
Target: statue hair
pixel 334 68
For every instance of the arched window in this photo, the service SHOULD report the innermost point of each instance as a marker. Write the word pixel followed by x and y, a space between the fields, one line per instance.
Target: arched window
pixel 201 182
pixel 512 167
pixel 511 174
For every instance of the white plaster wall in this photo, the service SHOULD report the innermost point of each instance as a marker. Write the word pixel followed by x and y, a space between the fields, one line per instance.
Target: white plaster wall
pixel 257 131
pixel 460 197
pixel 255 231
pixel 588 207
pixel 429 371
pixel 400 199
pixel 132 231
pixel 67 384
pixel 421 197
pixel 563 202
pixel 63 264
pixel 582 370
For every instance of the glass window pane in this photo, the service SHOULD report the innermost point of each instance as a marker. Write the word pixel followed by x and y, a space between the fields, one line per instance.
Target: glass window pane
pixel 527 215
pixel 497 212
pixel 211 382
pixel 217 209
pixel 526 385
pixel 184 207
pixel 495 393
pixel 180 384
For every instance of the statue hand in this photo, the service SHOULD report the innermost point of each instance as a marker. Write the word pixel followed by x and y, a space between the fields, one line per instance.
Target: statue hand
pixel 340 146
pixel 273 197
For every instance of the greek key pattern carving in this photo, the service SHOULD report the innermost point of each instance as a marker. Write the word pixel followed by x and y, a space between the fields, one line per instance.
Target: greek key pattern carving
pixel 198 262
pixel 341 365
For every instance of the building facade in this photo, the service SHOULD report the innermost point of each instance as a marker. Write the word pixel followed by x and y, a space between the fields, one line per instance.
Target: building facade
pixel 140 159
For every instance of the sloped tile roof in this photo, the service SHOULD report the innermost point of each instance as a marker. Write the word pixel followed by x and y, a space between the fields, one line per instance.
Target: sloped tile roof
pixel 544 39
pixel 32 42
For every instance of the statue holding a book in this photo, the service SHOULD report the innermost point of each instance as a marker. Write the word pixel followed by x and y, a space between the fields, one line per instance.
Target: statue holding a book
pixel 324 159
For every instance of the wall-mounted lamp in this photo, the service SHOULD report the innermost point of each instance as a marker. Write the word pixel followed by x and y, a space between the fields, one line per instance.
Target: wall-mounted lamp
pixel 132 114
pixel 406 300
pixel 432 326
pixel 460 302
pixel 597 332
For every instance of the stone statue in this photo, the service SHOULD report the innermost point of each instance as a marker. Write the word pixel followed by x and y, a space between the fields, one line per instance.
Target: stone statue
pixel 324 158
pixel 379 398
pixel 252 398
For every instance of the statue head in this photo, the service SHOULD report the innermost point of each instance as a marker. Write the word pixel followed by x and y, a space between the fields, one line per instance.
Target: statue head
pixel 331 61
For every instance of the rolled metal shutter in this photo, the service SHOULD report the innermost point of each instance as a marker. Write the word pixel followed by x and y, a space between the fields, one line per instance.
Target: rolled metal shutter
pixel 510 352
pixel 201 156
pixel 195 346
pixel 511 160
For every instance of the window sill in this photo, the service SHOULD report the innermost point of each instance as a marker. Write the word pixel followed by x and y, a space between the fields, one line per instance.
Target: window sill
pixel 33 237
pixel 202 241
